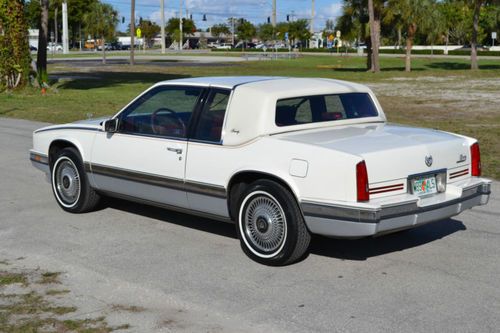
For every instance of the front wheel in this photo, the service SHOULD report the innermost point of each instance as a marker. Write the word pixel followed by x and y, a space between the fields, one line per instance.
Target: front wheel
pixel 70 184
pixel 270 225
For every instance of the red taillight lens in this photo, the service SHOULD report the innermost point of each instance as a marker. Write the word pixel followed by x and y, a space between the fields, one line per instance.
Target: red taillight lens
pixel 475 157
pixel 362 182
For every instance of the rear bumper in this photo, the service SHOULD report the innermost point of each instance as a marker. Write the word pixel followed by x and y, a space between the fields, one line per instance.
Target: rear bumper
pixel 393 214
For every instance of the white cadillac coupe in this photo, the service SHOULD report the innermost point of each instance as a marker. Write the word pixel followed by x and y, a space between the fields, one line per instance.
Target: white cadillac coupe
pixel 283 158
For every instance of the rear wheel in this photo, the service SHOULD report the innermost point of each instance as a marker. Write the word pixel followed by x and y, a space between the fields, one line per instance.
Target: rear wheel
pixel 270 225
pixel 70 184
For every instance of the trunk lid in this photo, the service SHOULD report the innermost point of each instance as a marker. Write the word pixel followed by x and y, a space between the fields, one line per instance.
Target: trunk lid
pixel 391 151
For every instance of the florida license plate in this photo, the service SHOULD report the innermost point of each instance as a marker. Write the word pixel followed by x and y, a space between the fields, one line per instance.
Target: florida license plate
pixel 424 185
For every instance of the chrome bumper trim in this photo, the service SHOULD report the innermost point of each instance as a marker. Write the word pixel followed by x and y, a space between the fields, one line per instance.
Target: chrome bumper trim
pixel 375 215
pixel 39 158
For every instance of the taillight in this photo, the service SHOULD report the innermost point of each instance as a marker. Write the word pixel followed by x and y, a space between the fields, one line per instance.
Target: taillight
pixel 475 158
pixel 362 182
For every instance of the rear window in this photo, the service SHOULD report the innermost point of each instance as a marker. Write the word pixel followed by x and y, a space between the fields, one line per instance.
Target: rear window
pixel 320 108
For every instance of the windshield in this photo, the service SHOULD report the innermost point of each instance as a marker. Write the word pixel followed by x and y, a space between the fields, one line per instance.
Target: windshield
pixel 320 108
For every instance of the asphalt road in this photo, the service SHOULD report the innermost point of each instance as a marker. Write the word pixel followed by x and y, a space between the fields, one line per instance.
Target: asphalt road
pixel 189 274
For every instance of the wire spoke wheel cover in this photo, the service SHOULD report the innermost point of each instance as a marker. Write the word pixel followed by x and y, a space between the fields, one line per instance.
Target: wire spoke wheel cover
pixel 66 182
pixel 263 224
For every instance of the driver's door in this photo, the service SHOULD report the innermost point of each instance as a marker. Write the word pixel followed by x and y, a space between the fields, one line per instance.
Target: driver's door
pixel 146 157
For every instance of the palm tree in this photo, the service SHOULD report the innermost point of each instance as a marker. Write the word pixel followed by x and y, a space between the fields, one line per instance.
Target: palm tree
pixel 101 21
pixel 413 13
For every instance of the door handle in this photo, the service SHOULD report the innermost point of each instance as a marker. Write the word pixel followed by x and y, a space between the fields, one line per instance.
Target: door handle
pixel 175 150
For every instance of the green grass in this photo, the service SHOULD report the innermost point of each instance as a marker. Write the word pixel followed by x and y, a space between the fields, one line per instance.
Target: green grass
pixel 7 278
pixel 28 310
pixel 104 90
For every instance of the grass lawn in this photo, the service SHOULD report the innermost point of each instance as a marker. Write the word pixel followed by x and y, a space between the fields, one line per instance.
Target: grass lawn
pixel 438 93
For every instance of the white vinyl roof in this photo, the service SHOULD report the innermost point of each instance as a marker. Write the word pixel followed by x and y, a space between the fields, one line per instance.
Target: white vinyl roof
pixel 251 111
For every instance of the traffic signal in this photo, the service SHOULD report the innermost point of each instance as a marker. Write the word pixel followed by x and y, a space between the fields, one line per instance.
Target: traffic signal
pixel 288 18
pixel 204 17
pixel 123 19
pixel 268 20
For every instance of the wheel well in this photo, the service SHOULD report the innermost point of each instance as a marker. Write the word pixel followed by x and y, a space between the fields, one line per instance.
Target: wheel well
pixel 238 183
pixel 57 146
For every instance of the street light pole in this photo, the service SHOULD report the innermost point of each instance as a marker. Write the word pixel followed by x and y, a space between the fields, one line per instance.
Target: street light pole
pixel 162 8
pixel 132 31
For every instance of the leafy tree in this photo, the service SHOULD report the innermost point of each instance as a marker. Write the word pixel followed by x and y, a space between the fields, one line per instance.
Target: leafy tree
pixel 172 27
pixel 101 21
pixel 32 12
pixel 265 31
pixel 299 30
pixel 476 6
pixel 413 13
pixel 353 24
pixel 149 30
pixel 220 29
pixel 245 30
pixel 14 50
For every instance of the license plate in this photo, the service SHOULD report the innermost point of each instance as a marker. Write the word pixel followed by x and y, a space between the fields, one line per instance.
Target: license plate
pixel 424 185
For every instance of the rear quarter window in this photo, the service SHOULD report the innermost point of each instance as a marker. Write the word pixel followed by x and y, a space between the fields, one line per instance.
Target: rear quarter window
pixel 321 108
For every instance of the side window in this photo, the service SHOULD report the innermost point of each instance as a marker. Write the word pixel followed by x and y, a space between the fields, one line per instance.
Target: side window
pixel 164 111
pixel 211 119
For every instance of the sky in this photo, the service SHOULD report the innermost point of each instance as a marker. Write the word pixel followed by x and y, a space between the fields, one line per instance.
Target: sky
pixel 218 11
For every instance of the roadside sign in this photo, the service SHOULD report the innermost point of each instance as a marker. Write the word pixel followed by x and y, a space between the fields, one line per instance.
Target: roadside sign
pixel 330 38
pixel 138 32
pixel 493 35
pixel 338 33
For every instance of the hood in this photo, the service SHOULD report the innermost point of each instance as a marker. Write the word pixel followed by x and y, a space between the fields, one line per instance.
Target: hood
pixel 94 123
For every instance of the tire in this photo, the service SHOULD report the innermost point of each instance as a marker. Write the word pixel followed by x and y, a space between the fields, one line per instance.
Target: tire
pixel 70 184
pixel 270 225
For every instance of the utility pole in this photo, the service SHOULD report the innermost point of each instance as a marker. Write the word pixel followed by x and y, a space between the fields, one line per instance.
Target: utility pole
pixel 312 18
pixel 162 6
pixel 132 31
pixel 273 19
pixel 65 27
pixel 180 25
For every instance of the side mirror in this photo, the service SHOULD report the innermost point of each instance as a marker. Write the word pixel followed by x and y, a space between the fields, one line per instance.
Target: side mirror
pixel 111 125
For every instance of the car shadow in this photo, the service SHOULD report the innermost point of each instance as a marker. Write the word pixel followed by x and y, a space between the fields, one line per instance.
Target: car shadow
pixel 344 249
pixel 186 220
pixel 364 248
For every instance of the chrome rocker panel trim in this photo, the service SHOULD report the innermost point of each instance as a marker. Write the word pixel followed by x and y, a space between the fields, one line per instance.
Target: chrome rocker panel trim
pixel 356 222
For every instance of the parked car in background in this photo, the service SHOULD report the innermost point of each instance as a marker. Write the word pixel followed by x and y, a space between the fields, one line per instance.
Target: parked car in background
pixel 224 46
pixel 479 47
pixel 107 47
pixel 32 48
pixel 282 158
pixel 53 47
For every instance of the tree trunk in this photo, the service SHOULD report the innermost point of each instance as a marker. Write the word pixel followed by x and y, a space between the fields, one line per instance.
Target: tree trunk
pixel 399 37
pixel 473 42
pixel 41 60
pixel 412 29
pixel 55 24
pixel 103 51
pixel 369 58
pixel 375 37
